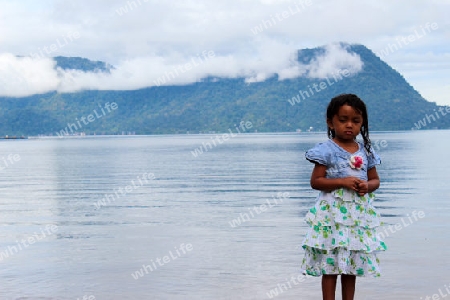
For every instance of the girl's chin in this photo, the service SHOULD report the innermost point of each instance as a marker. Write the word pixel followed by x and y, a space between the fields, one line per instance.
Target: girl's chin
pixel 346 137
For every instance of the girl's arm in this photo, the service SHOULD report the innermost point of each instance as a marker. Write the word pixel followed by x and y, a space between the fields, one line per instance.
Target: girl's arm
pixel 321 183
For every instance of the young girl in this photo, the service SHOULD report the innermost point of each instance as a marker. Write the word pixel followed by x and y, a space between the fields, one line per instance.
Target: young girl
pixel 342 238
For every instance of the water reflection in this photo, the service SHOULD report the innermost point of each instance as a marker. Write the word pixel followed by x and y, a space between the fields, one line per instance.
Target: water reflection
pixel 195 200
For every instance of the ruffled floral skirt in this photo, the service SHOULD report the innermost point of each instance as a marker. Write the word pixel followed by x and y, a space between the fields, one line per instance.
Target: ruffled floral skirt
pixel 342 238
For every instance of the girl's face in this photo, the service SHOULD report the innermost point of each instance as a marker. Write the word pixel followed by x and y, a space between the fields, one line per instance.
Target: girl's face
pixel 346 123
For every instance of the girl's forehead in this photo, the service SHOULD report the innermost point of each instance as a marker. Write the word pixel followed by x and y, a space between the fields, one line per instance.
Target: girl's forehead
pixel 348 110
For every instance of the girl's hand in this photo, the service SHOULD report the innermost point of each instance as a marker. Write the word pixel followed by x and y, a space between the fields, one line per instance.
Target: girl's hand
pixel 363 188
pixel 351 183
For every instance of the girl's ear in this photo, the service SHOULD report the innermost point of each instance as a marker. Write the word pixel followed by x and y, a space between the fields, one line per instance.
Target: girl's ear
pixel 330 124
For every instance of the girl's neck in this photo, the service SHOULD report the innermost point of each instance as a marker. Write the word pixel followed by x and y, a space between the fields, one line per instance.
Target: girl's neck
pixel 348 145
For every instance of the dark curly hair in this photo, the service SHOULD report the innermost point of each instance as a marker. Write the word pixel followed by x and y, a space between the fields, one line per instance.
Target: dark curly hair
pixel 355 102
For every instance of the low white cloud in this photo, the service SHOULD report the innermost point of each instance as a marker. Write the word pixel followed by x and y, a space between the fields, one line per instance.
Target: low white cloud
pixel 23 76
pixel 336 58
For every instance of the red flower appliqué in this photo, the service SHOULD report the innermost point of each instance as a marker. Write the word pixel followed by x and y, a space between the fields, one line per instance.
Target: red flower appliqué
pixel 356 162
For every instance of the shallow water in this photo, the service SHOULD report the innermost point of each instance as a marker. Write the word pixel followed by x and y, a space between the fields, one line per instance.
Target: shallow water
pixel 183 216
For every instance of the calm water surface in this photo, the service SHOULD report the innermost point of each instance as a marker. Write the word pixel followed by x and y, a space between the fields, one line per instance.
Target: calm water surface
pixel 57 241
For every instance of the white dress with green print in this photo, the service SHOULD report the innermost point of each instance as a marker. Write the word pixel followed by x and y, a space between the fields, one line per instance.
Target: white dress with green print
pixel 342 237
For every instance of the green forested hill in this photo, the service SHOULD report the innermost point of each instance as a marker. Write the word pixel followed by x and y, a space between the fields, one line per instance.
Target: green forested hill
pixel 217 104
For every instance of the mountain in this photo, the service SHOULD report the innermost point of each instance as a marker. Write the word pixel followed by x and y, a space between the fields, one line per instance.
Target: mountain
pixel 217 104
pixel 82 64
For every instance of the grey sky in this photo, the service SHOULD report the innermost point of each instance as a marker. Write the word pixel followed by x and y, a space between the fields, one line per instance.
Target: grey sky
pixel 250 38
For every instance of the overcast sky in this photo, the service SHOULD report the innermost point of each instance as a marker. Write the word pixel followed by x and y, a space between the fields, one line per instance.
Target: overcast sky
pixel 181 41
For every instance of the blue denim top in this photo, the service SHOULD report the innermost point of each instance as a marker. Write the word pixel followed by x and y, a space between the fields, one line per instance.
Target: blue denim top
pixel 337 159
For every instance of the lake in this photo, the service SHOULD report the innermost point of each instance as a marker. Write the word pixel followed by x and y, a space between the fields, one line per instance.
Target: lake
pixel 148 217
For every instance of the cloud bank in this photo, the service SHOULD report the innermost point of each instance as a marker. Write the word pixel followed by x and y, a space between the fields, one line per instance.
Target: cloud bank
pixel 253 39
pixel 24 76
